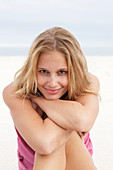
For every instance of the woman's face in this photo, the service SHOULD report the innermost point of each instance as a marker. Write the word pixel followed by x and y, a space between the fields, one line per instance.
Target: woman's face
pixel 52 75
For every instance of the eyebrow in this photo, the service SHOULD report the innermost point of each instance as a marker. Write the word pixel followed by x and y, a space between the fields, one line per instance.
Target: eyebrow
pixel 42 68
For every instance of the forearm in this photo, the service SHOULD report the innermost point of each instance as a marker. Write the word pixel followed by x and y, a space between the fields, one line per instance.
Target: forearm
pixel 54 135
pixel 74 115
pixel 67 114
pixel 43 136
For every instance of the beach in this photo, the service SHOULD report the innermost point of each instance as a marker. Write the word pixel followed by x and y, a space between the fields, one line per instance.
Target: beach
pixel 101 133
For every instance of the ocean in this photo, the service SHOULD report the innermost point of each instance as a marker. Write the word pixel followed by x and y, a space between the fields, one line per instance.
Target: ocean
pixel 88 51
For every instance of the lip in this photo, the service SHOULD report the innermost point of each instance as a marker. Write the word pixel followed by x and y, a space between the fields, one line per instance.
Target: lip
pixel 55 91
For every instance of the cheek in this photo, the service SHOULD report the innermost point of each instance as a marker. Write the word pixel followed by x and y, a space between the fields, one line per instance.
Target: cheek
pixel 65 81
pixel 40 80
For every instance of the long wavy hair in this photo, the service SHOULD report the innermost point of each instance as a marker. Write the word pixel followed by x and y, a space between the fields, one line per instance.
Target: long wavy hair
pixel 56 38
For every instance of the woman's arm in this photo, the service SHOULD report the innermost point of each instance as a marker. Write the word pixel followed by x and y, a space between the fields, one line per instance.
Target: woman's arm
pixel 78 115
pixel 73 155
pixel 43 136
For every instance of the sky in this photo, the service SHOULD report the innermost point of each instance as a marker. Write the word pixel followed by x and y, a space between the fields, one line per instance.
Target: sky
pixel 90 21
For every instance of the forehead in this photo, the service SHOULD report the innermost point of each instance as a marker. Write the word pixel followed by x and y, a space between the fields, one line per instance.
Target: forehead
pixel 52 59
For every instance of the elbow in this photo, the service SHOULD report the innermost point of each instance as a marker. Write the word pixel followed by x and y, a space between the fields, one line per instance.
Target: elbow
pixel 85 127
pixel 46 147
pixel 85 124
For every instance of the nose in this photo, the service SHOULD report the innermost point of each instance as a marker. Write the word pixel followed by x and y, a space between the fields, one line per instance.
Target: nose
pixel 52 82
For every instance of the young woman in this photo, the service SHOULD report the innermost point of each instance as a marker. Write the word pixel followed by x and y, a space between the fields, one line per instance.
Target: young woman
pixel 54 104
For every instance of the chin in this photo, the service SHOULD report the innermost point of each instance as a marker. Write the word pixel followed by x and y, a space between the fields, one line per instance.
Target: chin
pixel 52 97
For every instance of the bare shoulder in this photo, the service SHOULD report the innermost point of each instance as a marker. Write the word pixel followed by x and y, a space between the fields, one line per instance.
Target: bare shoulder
pixel 90 98
pixel 10 99
pixel 7 91
pixel 8 96
pixel 94 83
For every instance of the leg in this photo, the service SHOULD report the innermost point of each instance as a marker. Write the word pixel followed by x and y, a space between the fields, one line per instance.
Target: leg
pixel 55 160
pixel 77 155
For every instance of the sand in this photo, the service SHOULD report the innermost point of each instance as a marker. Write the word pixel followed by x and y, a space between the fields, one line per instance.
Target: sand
pixel 101 133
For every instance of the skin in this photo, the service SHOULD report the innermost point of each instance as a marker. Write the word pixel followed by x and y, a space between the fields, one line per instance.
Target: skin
pixel 52 71
pixel 81 114
pixel 52 106
pixel 52 132
pixel 52 82
pixel 73 155
pixel 55 160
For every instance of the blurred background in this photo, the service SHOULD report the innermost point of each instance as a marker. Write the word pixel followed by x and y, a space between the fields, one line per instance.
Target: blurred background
pixel 91 22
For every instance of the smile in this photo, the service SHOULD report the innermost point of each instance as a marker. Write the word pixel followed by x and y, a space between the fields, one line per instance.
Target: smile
pixel 52 91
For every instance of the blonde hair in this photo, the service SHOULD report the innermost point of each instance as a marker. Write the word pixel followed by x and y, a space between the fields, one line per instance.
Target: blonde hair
pixel 56 38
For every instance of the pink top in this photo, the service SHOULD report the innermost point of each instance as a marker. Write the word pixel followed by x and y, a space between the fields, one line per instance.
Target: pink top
pixel 26 154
